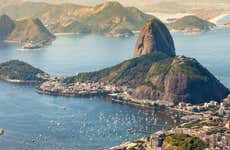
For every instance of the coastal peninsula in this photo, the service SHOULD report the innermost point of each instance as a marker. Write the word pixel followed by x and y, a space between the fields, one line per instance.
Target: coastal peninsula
pixel 154 75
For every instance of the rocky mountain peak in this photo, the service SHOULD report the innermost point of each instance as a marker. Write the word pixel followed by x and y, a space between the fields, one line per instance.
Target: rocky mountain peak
pixel 154 36
pixel 7 25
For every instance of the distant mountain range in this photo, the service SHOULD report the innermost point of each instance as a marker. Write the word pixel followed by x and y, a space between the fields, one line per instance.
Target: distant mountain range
pixel 79 2
pixel 108 18
pixel 203 8
pixel 5 3
pixel 31 33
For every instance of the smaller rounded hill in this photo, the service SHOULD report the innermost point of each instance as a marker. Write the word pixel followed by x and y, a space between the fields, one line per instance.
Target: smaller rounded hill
pixel 20 72
pixel 191 24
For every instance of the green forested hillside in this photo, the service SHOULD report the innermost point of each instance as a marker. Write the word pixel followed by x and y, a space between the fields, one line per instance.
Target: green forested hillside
pixel 18 70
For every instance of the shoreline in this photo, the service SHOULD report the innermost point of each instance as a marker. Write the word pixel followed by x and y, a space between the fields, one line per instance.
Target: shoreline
pixel 80 95
pixel 118 94
pixel 116 35
pixel 18 81
pixel 63 33
pixel 107 96
pixel 11 42
pixel 29 46
pixel 104 94
pixel 147 104
pixel 195 31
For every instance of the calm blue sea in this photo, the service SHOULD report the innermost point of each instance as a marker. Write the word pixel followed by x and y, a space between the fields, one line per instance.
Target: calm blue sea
pixel 39 122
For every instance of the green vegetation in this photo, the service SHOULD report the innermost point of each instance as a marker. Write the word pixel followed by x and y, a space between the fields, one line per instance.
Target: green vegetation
pixel 17 70
pixel 75 27
pixel 161 67
pixel 191 67
pixel 131 72
pixel 155 75
pixel 191 22
pixel 140 71
pixel 185 142
pixel 217 131
pixel 201 123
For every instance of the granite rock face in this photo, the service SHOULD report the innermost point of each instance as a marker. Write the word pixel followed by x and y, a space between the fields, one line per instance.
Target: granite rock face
pixel 154 37
pixel 189 81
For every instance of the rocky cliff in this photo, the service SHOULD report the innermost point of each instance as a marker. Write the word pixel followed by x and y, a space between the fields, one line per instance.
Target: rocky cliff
pixel 154 37
pixel 7 25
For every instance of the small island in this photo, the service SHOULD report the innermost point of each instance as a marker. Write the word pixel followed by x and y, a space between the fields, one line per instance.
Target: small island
pixel 16 71
pixel 190 24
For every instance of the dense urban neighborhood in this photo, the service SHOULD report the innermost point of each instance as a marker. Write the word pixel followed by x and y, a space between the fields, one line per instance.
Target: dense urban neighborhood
pixel 210 122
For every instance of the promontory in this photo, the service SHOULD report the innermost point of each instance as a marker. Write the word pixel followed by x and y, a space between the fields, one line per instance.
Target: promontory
pixel 156 74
